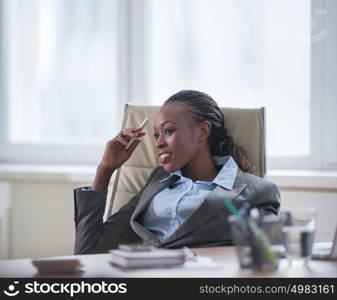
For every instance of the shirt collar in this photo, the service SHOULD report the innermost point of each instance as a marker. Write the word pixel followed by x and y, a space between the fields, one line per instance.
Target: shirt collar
pixel 177 173
pixel 226 175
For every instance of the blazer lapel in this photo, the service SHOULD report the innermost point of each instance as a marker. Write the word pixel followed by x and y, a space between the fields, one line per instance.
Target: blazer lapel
pixel 212 205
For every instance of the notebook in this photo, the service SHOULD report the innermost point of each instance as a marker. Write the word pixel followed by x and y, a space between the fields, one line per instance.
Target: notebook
pixel 146 259
pixel 327 250
pixel 57 265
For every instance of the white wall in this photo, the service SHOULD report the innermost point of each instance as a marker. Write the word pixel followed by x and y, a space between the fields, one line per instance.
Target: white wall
pixel 326 202
pixel 42 214
pixel 42 219
pixel 4 219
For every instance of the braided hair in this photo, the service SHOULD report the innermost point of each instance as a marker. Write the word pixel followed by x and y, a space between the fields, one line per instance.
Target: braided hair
pixel 203 108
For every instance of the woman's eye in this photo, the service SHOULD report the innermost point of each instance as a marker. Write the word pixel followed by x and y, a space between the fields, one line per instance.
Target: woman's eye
pixel 168 131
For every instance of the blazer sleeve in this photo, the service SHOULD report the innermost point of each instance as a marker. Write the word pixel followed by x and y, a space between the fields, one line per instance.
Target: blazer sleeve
pixel 268 197
pixel 94 236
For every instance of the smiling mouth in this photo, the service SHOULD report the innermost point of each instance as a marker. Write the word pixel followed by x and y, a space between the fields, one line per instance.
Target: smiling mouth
pixel 165 157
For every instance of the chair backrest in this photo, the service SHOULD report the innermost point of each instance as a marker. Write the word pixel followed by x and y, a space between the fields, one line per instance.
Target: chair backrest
pixel 245 125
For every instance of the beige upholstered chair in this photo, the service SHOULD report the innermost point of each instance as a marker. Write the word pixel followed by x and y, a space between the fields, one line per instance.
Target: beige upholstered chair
pixel 245 125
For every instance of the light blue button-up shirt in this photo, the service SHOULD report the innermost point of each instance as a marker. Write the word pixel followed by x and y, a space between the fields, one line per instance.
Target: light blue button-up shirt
pixel 173 206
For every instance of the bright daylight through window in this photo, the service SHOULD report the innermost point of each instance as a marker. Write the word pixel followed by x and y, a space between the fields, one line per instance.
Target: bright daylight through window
pixel 70 66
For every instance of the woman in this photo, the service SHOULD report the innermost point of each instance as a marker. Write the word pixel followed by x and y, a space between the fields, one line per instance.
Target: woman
pixel 182 203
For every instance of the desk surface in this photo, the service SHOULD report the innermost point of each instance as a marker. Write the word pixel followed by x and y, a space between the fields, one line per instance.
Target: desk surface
pixel 97 265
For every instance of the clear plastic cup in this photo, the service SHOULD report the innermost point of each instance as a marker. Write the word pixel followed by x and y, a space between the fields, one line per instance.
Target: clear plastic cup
pixel 299 234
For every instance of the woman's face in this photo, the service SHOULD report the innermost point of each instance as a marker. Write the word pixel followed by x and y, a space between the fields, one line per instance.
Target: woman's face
pixel 177 137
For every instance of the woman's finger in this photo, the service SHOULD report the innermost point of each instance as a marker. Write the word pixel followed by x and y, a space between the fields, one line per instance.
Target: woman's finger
pixel 135 143
pixel 135 129
pixel 127 134
pixel 140 134
pixel 121 140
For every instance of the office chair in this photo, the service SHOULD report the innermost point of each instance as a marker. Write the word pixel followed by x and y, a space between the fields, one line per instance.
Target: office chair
pixel 246 126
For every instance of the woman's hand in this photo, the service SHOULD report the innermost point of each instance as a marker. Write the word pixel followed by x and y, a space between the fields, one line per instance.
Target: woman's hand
pixel 115 155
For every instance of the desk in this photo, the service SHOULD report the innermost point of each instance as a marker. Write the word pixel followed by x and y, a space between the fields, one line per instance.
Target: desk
pixel 97 265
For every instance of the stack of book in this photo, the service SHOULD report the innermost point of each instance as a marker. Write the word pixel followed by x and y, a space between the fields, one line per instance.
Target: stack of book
pixel 146 259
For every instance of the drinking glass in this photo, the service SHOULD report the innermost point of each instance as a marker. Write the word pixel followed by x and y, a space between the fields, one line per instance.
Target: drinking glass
pixel 298 234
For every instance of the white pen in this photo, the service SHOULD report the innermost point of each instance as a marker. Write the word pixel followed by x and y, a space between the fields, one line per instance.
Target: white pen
pixel 142 125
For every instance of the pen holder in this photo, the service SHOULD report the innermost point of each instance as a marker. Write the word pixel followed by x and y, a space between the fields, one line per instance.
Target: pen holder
pixel 253 240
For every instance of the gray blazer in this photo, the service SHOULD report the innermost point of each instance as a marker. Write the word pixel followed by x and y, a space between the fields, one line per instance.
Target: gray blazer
pixel 207 226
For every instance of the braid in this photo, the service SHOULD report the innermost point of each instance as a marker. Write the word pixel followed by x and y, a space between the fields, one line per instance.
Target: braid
pixel 203 108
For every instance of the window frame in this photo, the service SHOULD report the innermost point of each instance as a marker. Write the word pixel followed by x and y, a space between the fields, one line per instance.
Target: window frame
pixel 329 89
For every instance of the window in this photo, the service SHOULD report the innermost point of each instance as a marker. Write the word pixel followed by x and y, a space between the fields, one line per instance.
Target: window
pixel 72 65
pixel 62 63
pixel 68 72
pixel 244 55
pixel 252 54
